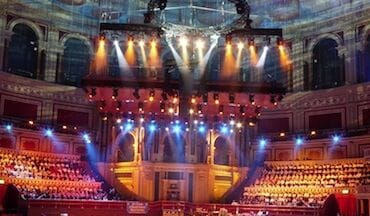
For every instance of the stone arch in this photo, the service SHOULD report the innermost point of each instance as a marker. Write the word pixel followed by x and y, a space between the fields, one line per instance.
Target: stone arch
pixel 23 51
pixel 327 65
pixel 174 147
pixel 222 151
pixel 319 38
pixel 125 147
pixel 32 25
pixel 85 40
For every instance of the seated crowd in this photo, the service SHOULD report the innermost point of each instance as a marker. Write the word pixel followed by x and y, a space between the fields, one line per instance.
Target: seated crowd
pixel 307 183
pixel 52 176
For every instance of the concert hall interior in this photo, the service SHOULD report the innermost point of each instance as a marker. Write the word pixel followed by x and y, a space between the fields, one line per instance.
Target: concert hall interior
pixel 184 107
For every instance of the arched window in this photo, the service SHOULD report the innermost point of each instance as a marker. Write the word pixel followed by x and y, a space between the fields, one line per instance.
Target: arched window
pixel 23 52
pixel 222 154
pixel 327 65
pixel 75 62
pixel 126 151
pixel 174 149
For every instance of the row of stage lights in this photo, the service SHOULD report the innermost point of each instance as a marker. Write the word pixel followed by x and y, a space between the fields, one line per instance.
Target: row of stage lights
pixel 48 132
pixel 198 42
pixel 299 140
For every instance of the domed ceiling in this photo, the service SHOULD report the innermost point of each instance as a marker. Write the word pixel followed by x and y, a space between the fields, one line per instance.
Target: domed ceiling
pixel 203 13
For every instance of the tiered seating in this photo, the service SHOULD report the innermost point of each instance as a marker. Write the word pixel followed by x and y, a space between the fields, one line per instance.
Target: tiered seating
pixel 51 176
pixel 305 183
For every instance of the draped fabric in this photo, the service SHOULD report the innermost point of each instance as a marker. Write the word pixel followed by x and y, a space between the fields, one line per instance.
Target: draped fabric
pixel 347 204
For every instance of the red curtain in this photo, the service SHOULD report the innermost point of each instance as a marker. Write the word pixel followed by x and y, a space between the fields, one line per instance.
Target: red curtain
pixel 347 204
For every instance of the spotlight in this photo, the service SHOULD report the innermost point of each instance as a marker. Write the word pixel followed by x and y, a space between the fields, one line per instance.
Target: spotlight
pixel 116 43
pixel 262 142
pixel 140 106
pixel 152 127
pixel 141 43
pixel 193 99
pixel 92 93
pixel 313 133
pixel 280 42
pixel 299 141
pixel 267 41
pixel 118 121
pixel 251 99
pixel 183 41
pixel 30 122
pixel 282 134
pixel 242 110
pixel 129 126
pixel 221 109
pixel 64 127
pixel 216 98
pixel 232 98
pixel 176 128
pixel 9 127
pixel 200 44
pixel 162 107
pixel 273 100
pixel 224 129
pixel 336 139
pixel 202 129
pixel 162 4
pixel 101 36
pixel 232 122
pixel 228 39
pixel 151 95
pixel 86 138
pixel 164 96
pixel 240 45
pixel 239 125
pixel 48 132
pixel 119 105
pixel 171 110
pixel 191 111
pixel 136 94
pixel 153 43
pixel 251 42
pixel 102 104
pixel 115 94
pixel 175 98
pixel 199 108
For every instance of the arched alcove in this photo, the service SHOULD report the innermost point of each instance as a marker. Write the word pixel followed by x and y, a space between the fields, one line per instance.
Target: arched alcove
pixel 222 151
pixel 75 61
pixel 366 60
pixel 126 151
pixel 174 149
pixel 23 51
pixel 327 65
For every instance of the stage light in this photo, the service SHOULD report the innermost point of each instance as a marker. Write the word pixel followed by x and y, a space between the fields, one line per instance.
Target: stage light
pixel 64 127
pixel 92 93
pixel 129 126
pixel 273 100
pixel 152 127
pixel 200 44
pixel 141 43
pixel 191 111
pixel 115 94
pixel 299 141
pixel 86 138
pixel 49 132
pixel 102 104
pixel 282 134
pixel 239 125
pixel 228 39
pixel 153 43
pixel 251 124
pixel 262 142
pixel 30 122
pixel 9 127
pixel 119 105
pixel 176 128
pixel 167 129
pixel 240 45
pixel 151 95
pixel 251 99
pixel 101 36
pixel 251 42
pixel 116 43
pixel 280 42
pixel 199 108
pixel 142 119
pixel 242 110
pixel 195 122
pixel 171 110
pixel 175 98
pixel 221 109
pixel 118 121
pixel 216 98
pixel 183 41
pixel 232 122
pixel 193 99
pixel 162 107
pixel 224 129
pixel 257 111
pixel 336 139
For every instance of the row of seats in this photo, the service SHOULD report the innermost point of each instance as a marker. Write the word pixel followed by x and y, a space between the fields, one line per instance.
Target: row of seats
pixel 52 176
pixel 305 183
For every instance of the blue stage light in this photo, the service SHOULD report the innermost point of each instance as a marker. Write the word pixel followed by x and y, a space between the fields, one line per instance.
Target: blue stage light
pixel 224 129
pixel 299 141
pixel 202 129
pixel 176 128
pixel 152 127
pixel 262 142
pixel 129 126
pixel 9 127
pixel 48 132
pixel 336 139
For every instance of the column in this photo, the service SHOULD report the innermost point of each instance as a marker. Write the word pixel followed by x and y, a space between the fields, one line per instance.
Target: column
pixel 3 36
pixel 350 56
pixel 298 60
pixel 53 49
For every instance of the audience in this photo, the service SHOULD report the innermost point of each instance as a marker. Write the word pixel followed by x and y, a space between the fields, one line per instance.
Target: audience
pixel 52 177
pixel 305 184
